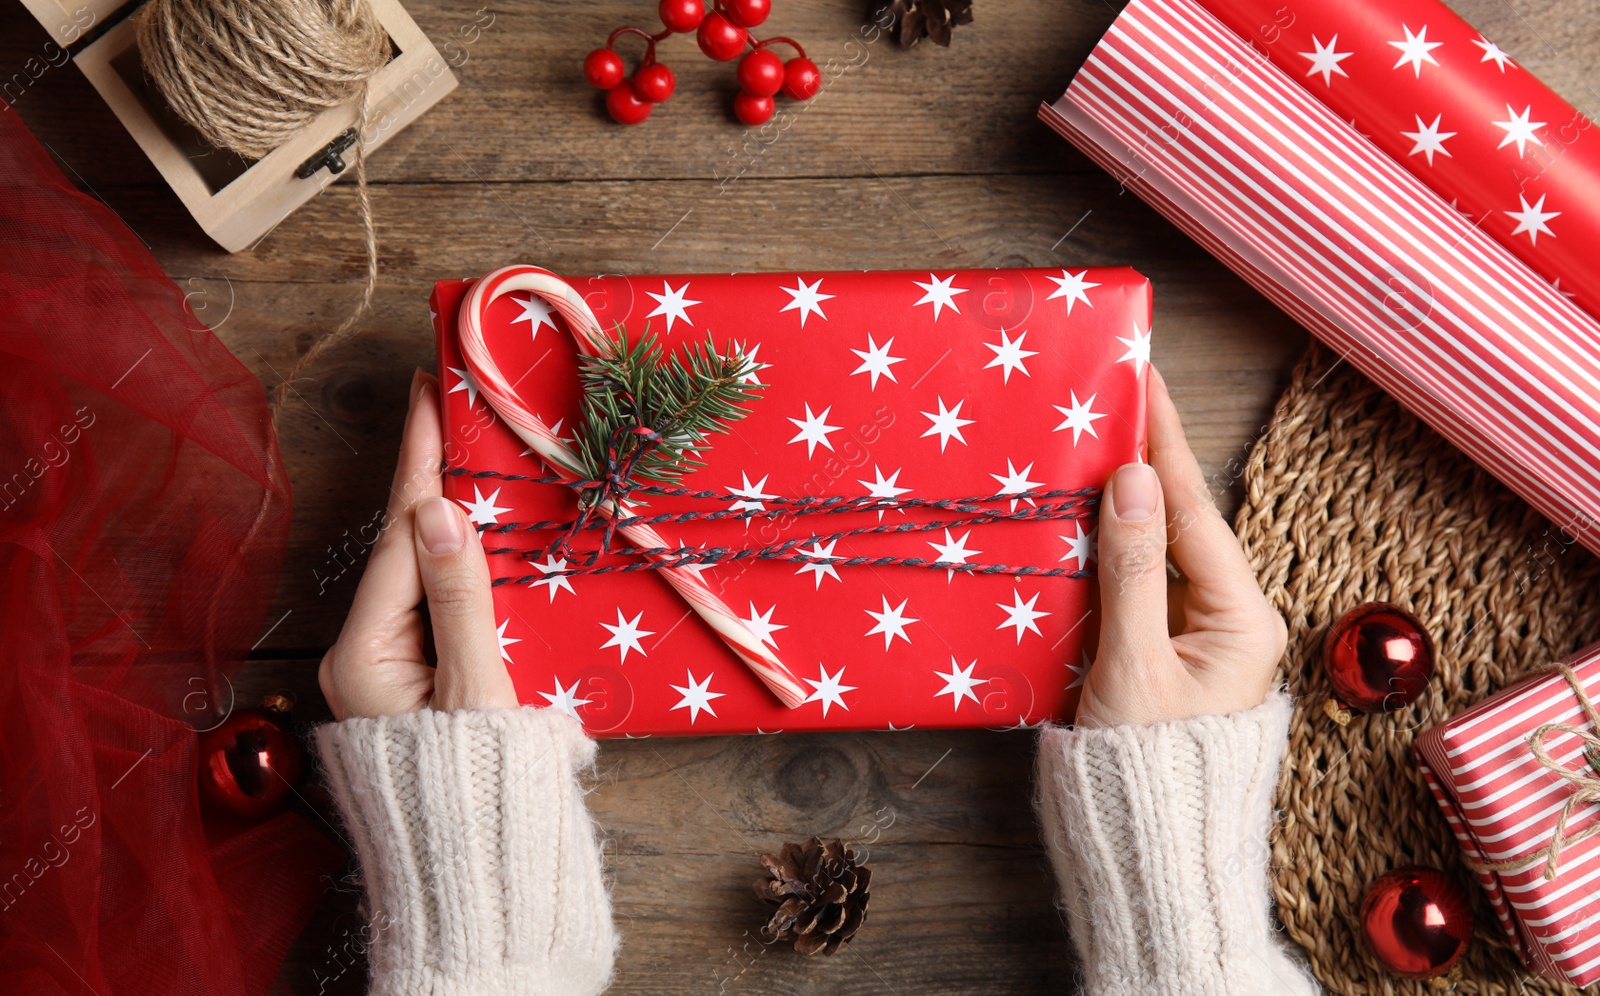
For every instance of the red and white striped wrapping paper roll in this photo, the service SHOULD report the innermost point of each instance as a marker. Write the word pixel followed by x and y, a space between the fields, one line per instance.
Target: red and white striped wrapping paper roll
pixel 1503 805
pixel 1240 156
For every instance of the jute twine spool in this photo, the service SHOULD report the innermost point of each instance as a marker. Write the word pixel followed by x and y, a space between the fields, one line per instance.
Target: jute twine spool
pixel 249 74
pixel 1349 499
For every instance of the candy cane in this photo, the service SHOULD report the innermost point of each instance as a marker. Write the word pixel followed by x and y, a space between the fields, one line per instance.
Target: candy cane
pixel 503 398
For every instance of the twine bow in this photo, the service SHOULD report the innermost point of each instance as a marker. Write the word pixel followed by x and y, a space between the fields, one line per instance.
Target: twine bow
pixel 1585 785
pixel 614 487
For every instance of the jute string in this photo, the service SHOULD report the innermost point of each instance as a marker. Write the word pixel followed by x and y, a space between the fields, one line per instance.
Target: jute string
pixel 249 74
pixel 1349 499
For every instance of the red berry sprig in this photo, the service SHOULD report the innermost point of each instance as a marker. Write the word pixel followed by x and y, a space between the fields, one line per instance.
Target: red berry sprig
pixel 724 35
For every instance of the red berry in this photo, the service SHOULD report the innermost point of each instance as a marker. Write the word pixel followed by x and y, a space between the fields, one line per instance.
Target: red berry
pixel 720 38
pixel 603 68
pixel 654 83
pixel 801 79
pixel 748 13
pixel 752 109
pixel 761 73
pixel 625 104
pixel 682 16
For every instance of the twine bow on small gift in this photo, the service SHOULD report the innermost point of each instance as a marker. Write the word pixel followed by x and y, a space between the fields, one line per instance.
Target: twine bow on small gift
pixel 1585 784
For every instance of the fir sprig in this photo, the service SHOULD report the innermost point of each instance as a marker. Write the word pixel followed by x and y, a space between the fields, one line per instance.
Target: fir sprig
pixel 676 400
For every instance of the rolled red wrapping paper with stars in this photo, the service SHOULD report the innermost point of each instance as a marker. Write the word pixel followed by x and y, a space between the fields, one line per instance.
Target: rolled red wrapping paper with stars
pixel 919 476
pixel 1455 110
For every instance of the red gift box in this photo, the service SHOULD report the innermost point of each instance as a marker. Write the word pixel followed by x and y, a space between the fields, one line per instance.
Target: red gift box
pixel 911 387
pixel 1504 807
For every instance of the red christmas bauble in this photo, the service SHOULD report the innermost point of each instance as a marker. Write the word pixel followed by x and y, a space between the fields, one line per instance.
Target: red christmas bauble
pixel 1416 921
pixel 720 38
pixel 654 83
pixel 603 68
pixel 753 110
pixel 761 73
pixel 681 16
pixel 625 105
pixel 249 764
pixel 748 13
pixel 1379 657
pixel 801 79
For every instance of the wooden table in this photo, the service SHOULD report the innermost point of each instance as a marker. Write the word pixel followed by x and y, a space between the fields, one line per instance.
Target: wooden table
pixel 930 158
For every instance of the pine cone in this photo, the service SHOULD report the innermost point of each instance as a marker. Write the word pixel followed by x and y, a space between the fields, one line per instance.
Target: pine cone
pixel 820 894
pixel 914 20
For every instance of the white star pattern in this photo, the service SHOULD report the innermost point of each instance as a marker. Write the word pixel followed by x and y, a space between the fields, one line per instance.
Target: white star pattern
pixel 626 634
pixel 1008 356
pixel 883 487
pixel 565 699
pixel 1532 218
pixel 1429 138
pixel 1080 547
pixel 1416 49
pixel 672 304
pixel 535 311
pixel 813 429
pixel 483 511
pixel 891 622
pixel 752 495
pixel 762 626
pixel 875 360
pixel 466 383
pixel 807 298
pixel 940 294
pixel 697 697
pixel 1492 51
pixel 820 568
pixel 947 424
pixel 1325 60
pixel 554 581
pixel 953 551
pixel 829 691
pixel 1078 672
pixel 959 684
pixel 1015 481
pixel 1079 417
pixel 753 365
pixel 1519 129
pixel 1138 349
pixel 1556 284
pixel 1021 614
pixel 1073 287
pixel 505 641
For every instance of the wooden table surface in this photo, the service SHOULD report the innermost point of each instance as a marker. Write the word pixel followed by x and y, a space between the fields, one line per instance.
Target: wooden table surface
pixel 930 158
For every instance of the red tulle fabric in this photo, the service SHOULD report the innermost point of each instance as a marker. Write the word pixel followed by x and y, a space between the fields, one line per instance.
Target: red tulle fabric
pixel 143 518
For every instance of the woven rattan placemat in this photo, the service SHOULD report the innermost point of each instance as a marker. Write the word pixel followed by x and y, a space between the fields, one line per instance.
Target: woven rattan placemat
pixel 1350 499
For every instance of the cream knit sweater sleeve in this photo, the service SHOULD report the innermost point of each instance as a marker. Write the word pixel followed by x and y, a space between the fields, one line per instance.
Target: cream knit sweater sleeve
pixel 1158 835
pixel 480 861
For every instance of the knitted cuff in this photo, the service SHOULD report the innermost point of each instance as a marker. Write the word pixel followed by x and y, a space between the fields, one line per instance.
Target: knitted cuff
pixel 1158 835
pixel 480 862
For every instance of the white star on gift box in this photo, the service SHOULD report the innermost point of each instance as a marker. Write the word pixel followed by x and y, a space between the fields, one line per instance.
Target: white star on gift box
pixel 1492 51
pixel 752 365
pixel 483 511
pixel 947 424
pixel 829 689
pixel 1532 218
pixel 1073 287
pixel 1325 60
pixel 1078 672
pixel 875 360
pixel 1079 417
pixel 626 634
pixel 1008 356
pixel 807 298
pixel 536 311
pixel 1021 614
pixel 959 684
pixel 953 551
pixel 1416 49
pixel 752 495
pixel 672 303
pixel 891 622
pixel 761 624
pixel 883 487
pixel 697 697
pixel 820 567
pixel 555 431
pixel 1138 349
pixel 1080 547
pixel 1015 481
pixel 1519 129
pixel 565 699
pixel 1428 138
pixel 505 641
pixel 813 429
pixel 940 294
pixel 466 383
pixel 553 580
